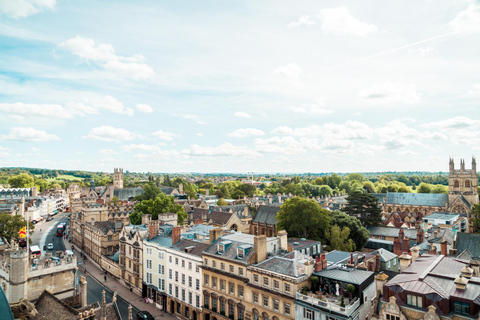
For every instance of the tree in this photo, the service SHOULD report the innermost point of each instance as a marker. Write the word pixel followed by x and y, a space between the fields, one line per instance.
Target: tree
pixel 355 176
pixel 314 280
pixel 23 180
pixel 365 207
pixel 325 191
pixel 424 188
pixel 475 217
pixel 150 192
pixel 358 233
pixel 115 200
pixel 303 218
pixel 11 225
pixel 221 202
pixel 247 189
pixel 338 239
pixel 160 205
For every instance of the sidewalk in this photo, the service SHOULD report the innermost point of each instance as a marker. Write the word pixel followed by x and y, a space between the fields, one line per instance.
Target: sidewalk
pixel 138 302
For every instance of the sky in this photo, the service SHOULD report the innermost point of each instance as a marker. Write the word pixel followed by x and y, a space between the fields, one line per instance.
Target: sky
pixel 239 86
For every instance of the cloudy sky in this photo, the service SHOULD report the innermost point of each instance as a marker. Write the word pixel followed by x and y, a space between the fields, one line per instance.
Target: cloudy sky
pixel 244 86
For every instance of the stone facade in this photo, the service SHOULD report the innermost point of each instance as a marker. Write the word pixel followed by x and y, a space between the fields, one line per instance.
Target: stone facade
pixel 131 255
pixel 118 178
pixel 462 187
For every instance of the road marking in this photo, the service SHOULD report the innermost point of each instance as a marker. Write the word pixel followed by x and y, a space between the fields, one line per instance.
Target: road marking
pixel 44 239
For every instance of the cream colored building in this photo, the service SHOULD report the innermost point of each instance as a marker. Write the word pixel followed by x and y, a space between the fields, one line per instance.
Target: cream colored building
pixel 131 255
pixel 101 238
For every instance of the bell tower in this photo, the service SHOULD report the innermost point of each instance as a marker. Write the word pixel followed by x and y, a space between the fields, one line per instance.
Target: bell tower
pixel 118 178
pixel 462 187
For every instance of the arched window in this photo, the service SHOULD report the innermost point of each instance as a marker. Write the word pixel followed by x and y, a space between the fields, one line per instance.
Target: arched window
pixel 456 184
pixel 265 316
pixel 468 184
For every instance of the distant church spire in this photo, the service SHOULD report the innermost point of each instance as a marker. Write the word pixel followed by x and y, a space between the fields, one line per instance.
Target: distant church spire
pixel 92 184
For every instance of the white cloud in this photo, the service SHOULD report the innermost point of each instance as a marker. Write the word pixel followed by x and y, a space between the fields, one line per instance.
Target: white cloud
pixel 24 8
pixel 163 135
pixel 348 130
pixel 454 123
pixel 198 134
pixel 34 149
pixel 36 110
pixel 390 93
pixel 304 20
pixel 226 149
pixel 108 152
pixel 467 20
pixel 108 133
pixel 4 152
pixel 289 71
pixel 141 147
pixel 29 134
pixel 241 114
pixel 145 108
pixel 105 56
pixel 337 145
pixel 159 154
pixel 191 117
pixel 246 132
pixel 313 108
pixel 92 105
pixel 339 21
pixel 475 90
pixel 285 145
pixel 396 135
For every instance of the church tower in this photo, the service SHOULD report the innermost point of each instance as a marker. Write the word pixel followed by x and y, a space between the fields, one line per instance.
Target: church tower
pixel 462 187
pixel 18 274
pixel 118 178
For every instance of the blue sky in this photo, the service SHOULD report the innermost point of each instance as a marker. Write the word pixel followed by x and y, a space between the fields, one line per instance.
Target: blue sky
pixel 246 86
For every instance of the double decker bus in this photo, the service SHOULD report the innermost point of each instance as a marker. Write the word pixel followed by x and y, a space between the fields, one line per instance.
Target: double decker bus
pixel 60 229
pixel 67 209
pixel 35 250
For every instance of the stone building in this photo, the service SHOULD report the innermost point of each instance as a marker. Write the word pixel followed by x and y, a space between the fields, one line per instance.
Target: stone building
pixel 462 187
pixel 101 238
pixel 221 219
pixel 118 178
pixel 265 221
pixel 131 255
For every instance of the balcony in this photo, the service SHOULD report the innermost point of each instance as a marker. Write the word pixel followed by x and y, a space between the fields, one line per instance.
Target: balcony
pixel 329 305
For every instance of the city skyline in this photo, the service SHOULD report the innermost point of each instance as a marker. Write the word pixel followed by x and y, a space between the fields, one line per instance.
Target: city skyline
pixel 239 87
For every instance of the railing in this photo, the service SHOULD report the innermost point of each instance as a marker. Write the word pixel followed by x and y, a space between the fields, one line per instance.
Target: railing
pixel 328 305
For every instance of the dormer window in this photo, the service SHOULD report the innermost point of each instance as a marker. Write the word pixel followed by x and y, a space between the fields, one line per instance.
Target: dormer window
pixel 221 248
pixel 240 253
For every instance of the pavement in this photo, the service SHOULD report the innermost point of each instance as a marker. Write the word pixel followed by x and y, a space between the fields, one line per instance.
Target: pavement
pixel 124 293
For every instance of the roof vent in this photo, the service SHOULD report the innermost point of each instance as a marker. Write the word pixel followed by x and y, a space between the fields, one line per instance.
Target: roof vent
pixel 188 249
pixel 461 282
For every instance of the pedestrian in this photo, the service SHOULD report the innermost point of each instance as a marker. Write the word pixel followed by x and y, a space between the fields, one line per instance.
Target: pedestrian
pixel 105 277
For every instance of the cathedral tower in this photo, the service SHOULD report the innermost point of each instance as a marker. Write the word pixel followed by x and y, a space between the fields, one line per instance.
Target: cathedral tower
pixel 462 187
pixel 118 178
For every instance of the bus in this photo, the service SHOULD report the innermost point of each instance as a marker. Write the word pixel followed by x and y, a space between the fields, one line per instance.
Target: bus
pixel 60 229
pixel 35 250
pixel 67 209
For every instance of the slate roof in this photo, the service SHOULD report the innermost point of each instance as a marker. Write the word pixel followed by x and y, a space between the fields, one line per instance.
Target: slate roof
pixel 380 196
pixel 338 257
pixel 417 199
pixel 441 216
pixel 344 274
pixel 267 214
pixel 465 255
pixel 231 250
pixel 217 217
pixel 105 226
pixel 167 190
pixel 127 193
pixel 391 232
pixel 444 233
pixel 300 243
pixel 470 242
pixel 385 255
pixel 48 304
pixel 237 209
pixel 292 265
pixel 5 310
pixel 186 244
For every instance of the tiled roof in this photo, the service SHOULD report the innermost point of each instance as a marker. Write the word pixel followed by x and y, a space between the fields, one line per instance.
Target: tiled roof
pixel 391 232
pixel 217 217
pixel 126 193
pixel 299 243
pixel 192 247
pixel 236 208
pixel 349 275
pixel 167 190
pixel 337 256
pixel 231 251
pixel 267 214
pixel 292 264
pixel 441 216
pixel 471 242
pixel 385 255
pixel 417 199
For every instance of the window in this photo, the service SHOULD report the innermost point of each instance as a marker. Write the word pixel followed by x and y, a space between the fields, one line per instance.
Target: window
pixel 415 301
pixel 231 287
pixel 461 307
pixel 190 297
pixel 388 264
pixel 287 287
pixel 276 285
pixel 170 274
pixel 160 255
pixel 205 262
pixel 214 282
pixel 222 285
pixel 314 249
pixel 190 282
pixel 189 266
pixel 187 312
pixel 265 302
pixel 255 297
pixel 197 268
pixel 392 317
pixel 222 306
pixel 275 305
pixel 170 259
pixel 197 301
pixel 395 262
pixel 255 278
pixel 176 292
pixel 176 276
pixel 205 279
pixel 286 309
pixel 240 253
pixel 214 263
pixel 265 281
pixel 149 264
pixel 232 269
pixel 308 314
pixel 161 269
pixel 222 266
pixel 183 263
pixel 149 250
pixel 240 291
pixel 183 294
pixel 179 308
pixel 240 271
pixel 170 289
pixel 197 284
pixel 176 261
pixel 149 277
pixel 161 284
pixel 183 278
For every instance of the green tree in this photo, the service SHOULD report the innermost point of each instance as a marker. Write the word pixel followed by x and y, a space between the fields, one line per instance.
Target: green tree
pixel 338 239
pixel 23 180
pixel 247 189
pixel 160 205
pixel 424 188
pixel 365 207
pixel 325 190
pixel 11 225
pixel 115 200
pixel 475 217
pixel 358 233
pixel 303 218
pixel 221 202
pixel 354 176
pixel 150 191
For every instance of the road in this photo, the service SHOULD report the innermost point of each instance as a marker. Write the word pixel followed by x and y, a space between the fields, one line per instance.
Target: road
pixel 45 232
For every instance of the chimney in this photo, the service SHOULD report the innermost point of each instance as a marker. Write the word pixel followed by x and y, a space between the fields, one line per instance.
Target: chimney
pixel 443 247
pixel 461 282
pixel 260 247
pixel 323 257
pixel 397 246
pixel 371 265
pixel 198 221
pixel 318 264
pixel 207 192
pixel 152 229
pixel 435 234
pixel 283 239
pixel 405 261
pixel 420 237
pixel 83 291
pixel 215 234
pixel 245 212
pixel 146 218
pixel 176 232
pixel 415 253
pixel 433 250
pixel 377 262
pixel 467 272
pixel 34 191
pixel 180 188
pixel 401 234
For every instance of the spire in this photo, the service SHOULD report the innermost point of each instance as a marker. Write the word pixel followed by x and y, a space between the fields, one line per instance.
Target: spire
pixel 474 165
pixel 92 184
pixel 104 301
pixel 130 316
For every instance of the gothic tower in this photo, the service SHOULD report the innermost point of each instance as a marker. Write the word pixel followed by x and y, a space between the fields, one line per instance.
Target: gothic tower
pixel 18 274
pixel 118 178
pixel 462 187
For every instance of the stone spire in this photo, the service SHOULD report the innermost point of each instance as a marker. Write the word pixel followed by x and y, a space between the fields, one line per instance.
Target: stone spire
pixel 130 316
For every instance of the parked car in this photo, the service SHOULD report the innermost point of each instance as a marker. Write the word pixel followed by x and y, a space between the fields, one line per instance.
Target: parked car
pixel 49 219
pixel 144 315
pixel 50 246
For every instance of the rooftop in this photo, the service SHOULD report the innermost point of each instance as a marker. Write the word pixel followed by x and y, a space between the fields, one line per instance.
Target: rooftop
pixel 417 199
pixel 345 274
pixel 442 216
pixel 292 265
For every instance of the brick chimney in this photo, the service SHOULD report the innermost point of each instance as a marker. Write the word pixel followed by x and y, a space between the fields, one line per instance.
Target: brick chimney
pixel 371 265
pixel 397 246
pixel 420 237
pixel 323 258
pixel 152 229
pixel 401 234
pixel 377 262
pixel 176 232
pixel 435 233
pixel 318 264
pixel 260 247
pixel 198 221
pixel 215 234
pixel 443 247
